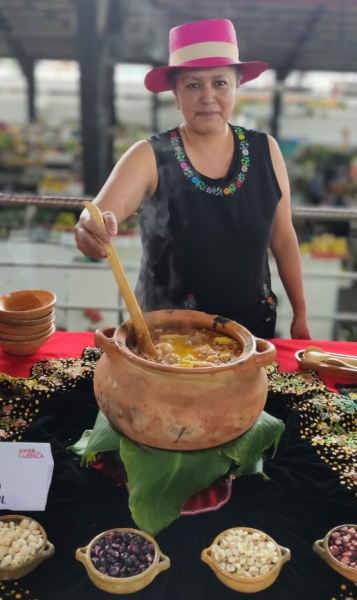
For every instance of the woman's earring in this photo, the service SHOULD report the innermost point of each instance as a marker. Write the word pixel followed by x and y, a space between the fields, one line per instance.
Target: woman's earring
pixel 177 104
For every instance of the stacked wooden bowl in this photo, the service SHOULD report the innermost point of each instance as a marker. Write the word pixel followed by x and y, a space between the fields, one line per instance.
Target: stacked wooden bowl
pixel 27 320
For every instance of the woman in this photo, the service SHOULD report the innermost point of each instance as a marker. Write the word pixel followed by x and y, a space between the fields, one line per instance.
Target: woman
pixel 212 197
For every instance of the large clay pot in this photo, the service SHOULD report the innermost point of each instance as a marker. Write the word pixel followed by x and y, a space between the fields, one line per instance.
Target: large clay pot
pixel 177 408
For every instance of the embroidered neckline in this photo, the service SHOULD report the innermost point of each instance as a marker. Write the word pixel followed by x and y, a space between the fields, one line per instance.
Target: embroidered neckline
pixel 194 177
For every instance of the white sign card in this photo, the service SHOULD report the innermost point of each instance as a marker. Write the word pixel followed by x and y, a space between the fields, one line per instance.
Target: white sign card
pixel 25 475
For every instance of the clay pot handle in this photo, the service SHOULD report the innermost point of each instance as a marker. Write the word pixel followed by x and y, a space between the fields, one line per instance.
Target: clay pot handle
pixel 319 549
pixel 266 353
pixel 81 555
pixel 285 554
pixel 164 562
pixel 207 557
pixel 104 339
pixel 49 550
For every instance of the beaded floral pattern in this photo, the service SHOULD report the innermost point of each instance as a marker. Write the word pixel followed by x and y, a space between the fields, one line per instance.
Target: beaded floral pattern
pixel 326 419
pixel 22 398
pixel 194 177
pixel 294 385
pixel 329 421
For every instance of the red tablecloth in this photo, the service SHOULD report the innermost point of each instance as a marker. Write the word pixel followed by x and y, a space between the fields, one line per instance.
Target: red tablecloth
pixel 62 344
pixel 71 344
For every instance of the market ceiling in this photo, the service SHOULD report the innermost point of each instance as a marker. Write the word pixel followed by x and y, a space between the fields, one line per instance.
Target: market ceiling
pixel 288 34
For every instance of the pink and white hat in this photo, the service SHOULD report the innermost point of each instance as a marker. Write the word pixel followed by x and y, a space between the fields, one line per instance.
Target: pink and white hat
pixel 211 43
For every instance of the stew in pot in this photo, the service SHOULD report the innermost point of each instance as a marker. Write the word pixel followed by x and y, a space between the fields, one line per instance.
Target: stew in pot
pixel 192 348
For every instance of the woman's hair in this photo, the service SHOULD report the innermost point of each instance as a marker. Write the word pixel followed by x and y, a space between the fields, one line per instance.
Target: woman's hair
pixel 172 76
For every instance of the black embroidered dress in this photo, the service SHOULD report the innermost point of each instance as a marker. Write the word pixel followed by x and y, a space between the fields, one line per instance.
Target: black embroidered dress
pixel 205 240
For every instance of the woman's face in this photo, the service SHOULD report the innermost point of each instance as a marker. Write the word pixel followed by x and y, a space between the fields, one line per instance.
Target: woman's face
pixel 206 96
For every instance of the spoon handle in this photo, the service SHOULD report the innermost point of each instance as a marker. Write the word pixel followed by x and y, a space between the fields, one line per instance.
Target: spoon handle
pixel 143 339
pixel 349 364
pixel 346 357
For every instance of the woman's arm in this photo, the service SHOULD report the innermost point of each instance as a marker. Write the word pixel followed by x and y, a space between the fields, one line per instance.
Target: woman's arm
pixel 133 177
pixel 285 248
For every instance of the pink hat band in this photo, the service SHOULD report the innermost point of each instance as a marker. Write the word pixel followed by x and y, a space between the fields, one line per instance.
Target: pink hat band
pixel 211 43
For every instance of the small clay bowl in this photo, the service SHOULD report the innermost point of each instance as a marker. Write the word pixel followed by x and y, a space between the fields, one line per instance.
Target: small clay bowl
pixel 17 323
pixel 27 347
pixel 27 304
pixel 127 585
pixel 242 583
pixel 321 547
pixel 36 326
pixel 20 336
pixel 45 551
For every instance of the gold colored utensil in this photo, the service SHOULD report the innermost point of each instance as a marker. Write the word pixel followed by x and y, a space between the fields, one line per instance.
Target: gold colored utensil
pixel 143 339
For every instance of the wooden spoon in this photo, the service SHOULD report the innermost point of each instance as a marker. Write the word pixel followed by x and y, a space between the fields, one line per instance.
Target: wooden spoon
pixel 337 362
pixel 143 339
pixel 318 356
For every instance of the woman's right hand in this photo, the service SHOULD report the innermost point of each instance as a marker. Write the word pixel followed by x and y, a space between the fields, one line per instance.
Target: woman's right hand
pixel 90 237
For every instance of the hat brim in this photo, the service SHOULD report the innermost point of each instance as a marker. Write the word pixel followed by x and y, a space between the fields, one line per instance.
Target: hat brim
pixel 157 80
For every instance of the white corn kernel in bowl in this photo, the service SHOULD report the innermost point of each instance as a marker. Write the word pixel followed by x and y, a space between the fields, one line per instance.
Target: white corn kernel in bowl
pixel 23 546
pixel 245 559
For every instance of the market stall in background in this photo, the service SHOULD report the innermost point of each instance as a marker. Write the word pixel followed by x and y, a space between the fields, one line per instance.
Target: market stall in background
pixel 70 108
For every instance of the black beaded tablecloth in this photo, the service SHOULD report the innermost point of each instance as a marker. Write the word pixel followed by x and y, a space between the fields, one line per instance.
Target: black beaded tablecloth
pixel 311 487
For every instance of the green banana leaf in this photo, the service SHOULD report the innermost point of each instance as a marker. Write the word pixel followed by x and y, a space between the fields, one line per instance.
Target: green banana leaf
pixel 247 449
pixel 80 447
pixel 102 438
pixel 160 481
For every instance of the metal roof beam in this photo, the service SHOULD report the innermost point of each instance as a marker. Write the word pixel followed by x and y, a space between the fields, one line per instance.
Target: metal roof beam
pixel 26 63
pixel 15 46
pixel 87 47
pixel 293 56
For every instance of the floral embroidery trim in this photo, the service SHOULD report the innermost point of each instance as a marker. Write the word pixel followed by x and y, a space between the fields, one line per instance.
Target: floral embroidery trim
pixel 269 297
pixel 200 183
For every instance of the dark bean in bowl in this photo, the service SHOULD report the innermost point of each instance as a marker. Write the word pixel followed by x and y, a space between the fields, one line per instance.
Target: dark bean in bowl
pixel 122 554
